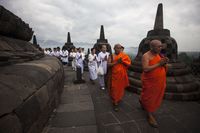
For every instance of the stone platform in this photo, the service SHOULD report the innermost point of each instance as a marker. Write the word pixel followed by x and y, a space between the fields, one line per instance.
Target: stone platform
pixel 87 109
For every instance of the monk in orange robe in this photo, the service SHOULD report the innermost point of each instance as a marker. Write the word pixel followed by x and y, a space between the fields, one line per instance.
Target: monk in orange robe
pixel 153 80
pixel 119 78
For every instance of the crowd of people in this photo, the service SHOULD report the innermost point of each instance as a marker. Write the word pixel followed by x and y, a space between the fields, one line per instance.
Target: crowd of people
pixel 62 55
pixel 111 72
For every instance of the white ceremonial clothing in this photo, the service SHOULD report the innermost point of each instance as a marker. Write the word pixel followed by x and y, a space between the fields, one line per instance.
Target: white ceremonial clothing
pixel 79 61
pixel 92 66
pixel 101 57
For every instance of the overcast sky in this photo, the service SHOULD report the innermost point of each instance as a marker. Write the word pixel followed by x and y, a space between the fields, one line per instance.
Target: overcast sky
pixel 125 21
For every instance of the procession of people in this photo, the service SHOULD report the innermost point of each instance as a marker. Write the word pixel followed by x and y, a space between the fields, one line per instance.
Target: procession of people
pixel 111 72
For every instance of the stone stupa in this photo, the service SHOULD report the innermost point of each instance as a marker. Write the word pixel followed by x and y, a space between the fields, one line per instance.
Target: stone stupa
pixel 69 45
pixel 36 44
pixel 101 41
pixel 181 84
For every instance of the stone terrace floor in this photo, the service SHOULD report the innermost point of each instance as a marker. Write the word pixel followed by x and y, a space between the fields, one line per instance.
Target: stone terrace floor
pixel 84 108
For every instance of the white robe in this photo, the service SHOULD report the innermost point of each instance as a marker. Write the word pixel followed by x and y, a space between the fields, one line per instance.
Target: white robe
pixel 57 54
pixel 92 65
pixel 52 53
pixel 103 62
pixel 64 56
pixel 73 55
pixel 79 61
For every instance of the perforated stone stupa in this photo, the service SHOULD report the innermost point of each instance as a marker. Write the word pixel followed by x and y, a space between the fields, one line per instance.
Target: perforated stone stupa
pixel 181 84
pixel 101 41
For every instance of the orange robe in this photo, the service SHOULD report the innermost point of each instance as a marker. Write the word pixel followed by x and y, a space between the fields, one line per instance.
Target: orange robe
pixel 153 86
pixel 119 77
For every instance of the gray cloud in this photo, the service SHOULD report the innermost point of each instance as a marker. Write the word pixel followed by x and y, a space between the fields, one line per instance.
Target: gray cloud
pixel 125 21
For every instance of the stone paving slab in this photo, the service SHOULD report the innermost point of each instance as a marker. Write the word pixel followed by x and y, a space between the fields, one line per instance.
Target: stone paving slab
pixel 81 129
pixel 172 116
pixel 74 98
pixel 70 119
pixel 75 107
pixel 75 114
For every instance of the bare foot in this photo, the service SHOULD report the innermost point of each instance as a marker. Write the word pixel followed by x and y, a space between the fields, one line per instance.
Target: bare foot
pixel 152 121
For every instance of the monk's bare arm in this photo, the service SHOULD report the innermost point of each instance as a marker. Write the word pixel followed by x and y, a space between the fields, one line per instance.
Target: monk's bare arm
pixel 110 64
pixel 145 64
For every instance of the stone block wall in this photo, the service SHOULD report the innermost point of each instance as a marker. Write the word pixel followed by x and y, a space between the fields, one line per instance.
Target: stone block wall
pixel 29 92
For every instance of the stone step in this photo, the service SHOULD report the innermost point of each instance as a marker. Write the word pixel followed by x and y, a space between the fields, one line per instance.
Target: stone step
pixel 188 96
pixel 170 79
pixel 173 87
pixel 183 96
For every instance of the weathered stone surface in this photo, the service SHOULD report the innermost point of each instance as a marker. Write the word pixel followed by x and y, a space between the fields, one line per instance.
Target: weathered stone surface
pixel 10 124
pixel 42 97
pixel 50 87
pixel 8 100
pixel 14 37
pixel 37 75
pixel 107 118
pixel 82 129
pixel 17 51
pixel 13 26
pixel 28 112
pixel 114 129
pixel 74 107
pixel 38 125
pixel 30 90
pixel 69 119
pixel 20 85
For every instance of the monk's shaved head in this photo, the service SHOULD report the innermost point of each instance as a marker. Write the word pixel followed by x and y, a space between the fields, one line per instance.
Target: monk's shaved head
pixel 155 46
pixel 117 45
pixel 117 48
pixel 154 43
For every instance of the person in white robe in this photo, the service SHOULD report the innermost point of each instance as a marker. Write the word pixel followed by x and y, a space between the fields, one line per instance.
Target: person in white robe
pixel 92 65
pixel 64 56
pixel 79 60
pixel 73 56
pixel 102 61
pixel 46 51
pixel 54 52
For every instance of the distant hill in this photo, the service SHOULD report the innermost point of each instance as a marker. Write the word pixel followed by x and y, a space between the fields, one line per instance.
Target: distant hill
pixel 49 43
pixel 52 44
pixel 85 45
pixel 131 50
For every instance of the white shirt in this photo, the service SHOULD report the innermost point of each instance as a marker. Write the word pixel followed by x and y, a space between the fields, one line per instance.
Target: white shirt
pixel 101 57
